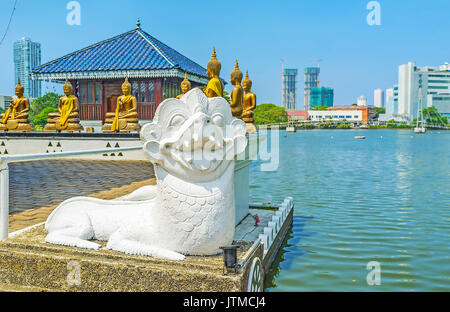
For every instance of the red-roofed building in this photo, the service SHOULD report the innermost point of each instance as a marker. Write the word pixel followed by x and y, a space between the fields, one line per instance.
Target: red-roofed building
pixel 297 115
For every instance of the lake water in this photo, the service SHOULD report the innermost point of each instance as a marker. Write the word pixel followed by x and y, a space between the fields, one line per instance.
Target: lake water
pixel 384 199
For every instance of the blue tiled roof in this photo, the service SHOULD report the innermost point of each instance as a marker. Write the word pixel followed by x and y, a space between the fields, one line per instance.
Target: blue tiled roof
pixel 134 50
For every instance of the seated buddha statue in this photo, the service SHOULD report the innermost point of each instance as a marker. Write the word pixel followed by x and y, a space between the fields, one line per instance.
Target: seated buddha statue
pixel 215 86
pixel 16 116
pixel 67 117
pixel 249 104
pixel 185 86
pixel 124 119
pixel 237 95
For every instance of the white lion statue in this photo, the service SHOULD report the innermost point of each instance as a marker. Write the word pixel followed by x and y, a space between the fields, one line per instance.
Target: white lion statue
pixel 192 143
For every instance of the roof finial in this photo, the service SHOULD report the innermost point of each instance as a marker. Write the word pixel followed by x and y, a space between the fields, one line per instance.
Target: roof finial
pixel 138 23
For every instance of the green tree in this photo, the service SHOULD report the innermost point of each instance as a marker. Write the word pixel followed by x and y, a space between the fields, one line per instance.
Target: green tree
pixel 307 125
pixel 403 124
pixel 269 114
pixel 380 110
pixel 49 100
pixel 2 110
pixel 42 117
pixel 344 124
pixel 320 108
pixel 392 124
pixel 432 116
pixel 226 96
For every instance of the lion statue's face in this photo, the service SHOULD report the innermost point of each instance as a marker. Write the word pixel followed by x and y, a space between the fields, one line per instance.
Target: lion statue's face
pixel 194 137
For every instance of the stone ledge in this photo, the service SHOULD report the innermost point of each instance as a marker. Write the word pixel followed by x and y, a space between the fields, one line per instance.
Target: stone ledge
pixel 27 263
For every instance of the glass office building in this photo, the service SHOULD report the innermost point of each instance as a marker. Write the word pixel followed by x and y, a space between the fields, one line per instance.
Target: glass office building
pixel 27 55
pixel 311 75
pixel 321 97
pixel 289 88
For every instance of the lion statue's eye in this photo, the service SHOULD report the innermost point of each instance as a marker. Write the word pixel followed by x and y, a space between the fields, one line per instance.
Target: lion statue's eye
pixel 177 120
pixel 218 120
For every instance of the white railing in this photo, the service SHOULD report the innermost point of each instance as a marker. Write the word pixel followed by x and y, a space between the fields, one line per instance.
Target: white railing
pixel 4 176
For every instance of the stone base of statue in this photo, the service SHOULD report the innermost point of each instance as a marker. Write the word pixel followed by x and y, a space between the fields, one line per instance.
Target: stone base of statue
pixel 251 128
pixel 28 263
pixel 73 124
pixel 125 125
pixel 16 125
pixel 247 117
pixel 71 127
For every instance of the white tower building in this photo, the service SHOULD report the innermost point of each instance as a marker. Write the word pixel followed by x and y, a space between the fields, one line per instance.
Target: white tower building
pixel 378 98
pixel 362 101
pixel 389 101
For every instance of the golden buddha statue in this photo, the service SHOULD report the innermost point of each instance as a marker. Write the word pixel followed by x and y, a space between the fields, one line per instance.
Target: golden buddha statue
pixel 249 104
pixel 185 86
pixel 124 119
pixel 237 95
pixel 215 86
pixel 16 116
pixel 67 117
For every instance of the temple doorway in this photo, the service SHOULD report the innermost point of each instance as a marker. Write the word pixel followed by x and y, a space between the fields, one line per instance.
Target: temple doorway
pixel 111 103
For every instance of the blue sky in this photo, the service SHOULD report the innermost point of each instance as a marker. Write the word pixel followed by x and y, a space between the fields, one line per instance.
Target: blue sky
pixel 357 58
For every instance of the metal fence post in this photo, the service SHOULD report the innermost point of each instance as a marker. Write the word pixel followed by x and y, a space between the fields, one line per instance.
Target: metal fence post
pixel 4 199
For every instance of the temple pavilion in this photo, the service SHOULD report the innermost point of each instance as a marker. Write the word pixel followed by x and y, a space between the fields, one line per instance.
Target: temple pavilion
pixel 97 72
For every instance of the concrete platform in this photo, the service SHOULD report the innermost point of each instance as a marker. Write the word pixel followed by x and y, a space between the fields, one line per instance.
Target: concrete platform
pixel 27 263
pixel 26 260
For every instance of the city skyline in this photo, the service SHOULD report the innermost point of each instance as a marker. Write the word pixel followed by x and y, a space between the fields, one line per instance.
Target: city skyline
pixel 354 53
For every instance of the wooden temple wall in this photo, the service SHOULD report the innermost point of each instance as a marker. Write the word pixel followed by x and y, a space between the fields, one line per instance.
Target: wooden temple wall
pixel 97 97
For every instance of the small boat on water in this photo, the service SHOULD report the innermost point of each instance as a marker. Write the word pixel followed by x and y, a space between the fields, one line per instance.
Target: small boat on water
pixel 419 130
pixel 359 137
pixel 291 129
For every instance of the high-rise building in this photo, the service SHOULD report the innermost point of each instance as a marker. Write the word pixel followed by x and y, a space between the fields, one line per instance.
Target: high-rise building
pixel 289 88
pixel 395 99
pixel 362 101
pixel 378 98
pixel 321 97
pixel 5 101
pixel 435 84
pixel 389 93
pixel 389 101
pixel 391 106
pixel 27 55
pixel 311 75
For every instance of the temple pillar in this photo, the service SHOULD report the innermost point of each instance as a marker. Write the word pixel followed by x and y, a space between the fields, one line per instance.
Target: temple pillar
pixel 158 91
